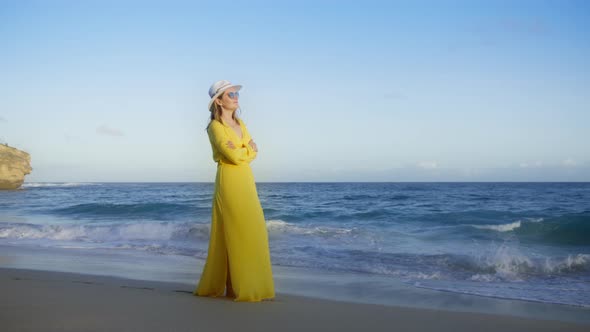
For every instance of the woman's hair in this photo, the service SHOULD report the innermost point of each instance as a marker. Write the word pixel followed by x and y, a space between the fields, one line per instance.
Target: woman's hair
pixel 215 111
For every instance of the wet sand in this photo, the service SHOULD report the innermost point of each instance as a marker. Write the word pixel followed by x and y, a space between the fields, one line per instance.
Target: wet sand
pixel 36 300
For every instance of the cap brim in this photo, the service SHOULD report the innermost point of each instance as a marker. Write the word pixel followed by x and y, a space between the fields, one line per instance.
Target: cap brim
pixel 237 86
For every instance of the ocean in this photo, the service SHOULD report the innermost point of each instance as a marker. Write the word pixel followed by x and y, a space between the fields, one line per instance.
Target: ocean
pixel 525 241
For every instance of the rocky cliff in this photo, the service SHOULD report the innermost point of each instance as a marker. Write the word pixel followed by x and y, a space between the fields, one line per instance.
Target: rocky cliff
pixel 14 165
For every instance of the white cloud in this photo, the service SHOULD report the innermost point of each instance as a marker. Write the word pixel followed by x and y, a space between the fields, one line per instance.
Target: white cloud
pixel 105 130
pixel 427 164
pixel 2 119
pixel 569 162
pixel 531 165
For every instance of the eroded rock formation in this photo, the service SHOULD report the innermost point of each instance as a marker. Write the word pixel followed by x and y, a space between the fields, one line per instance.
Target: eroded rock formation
pixel 14 165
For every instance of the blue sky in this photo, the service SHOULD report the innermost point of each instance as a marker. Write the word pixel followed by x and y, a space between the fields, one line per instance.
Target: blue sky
pixel 333 90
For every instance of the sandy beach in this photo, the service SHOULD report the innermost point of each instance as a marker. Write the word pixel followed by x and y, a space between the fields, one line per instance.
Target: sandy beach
pixel 35 300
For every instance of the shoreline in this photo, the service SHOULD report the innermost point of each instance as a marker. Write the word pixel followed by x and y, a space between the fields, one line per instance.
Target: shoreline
pixel 61 301
pixel 183 272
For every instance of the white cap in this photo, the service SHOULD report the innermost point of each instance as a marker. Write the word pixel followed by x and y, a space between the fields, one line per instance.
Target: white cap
pixel 217 89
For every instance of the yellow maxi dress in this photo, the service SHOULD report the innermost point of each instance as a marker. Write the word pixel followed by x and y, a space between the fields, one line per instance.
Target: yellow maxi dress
pixel 238 258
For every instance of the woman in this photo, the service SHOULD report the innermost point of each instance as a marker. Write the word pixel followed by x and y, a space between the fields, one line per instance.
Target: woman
pixel 238 258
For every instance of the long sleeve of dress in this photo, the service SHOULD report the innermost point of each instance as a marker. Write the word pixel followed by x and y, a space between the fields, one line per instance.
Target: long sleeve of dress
pixel 219 138
pixel 251 152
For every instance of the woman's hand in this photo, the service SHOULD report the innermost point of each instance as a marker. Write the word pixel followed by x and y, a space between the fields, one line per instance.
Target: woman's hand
pixel 231 145
pixel 253 145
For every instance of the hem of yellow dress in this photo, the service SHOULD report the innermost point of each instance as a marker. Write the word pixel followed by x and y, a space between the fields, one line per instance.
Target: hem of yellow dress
pixel 195 293
pixel 261 300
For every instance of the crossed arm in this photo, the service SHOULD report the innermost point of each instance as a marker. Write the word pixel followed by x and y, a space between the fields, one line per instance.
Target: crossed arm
pixel 236 155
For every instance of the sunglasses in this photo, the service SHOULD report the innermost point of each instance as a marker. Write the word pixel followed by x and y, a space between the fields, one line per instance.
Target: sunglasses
pixel 233 95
